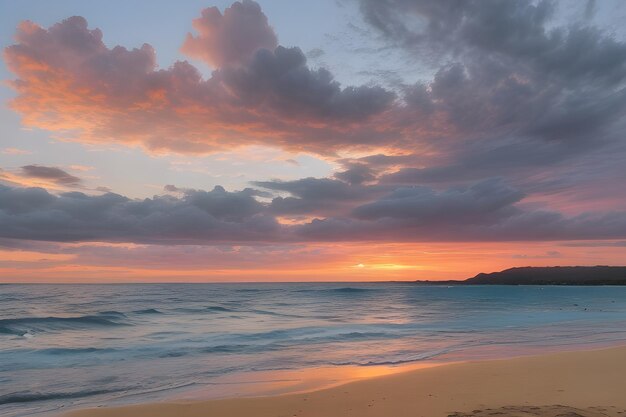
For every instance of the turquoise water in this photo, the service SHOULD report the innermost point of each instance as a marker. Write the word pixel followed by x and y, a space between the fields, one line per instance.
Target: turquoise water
pixel 85 345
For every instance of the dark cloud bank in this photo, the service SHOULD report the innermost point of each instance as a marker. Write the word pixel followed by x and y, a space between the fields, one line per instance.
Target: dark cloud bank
pixel 487 210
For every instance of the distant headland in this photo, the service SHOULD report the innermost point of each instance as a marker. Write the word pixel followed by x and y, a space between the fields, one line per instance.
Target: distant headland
pixel 554 275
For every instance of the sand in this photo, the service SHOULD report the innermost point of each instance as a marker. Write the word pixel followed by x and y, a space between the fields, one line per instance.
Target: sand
pixel 570 384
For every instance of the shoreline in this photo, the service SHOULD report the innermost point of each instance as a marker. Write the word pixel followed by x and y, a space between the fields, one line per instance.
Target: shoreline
pixel 274 383
pixel 580 379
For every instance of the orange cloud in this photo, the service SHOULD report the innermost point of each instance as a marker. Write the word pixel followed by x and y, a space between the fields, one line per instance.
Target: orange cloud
pixel 15 151
pixel 17 179
pixel 70 83
pixel 231 38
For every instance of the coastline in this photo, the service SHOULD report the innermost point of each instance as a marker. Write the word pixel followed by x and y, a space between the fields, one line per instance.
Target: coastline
pixel 579 379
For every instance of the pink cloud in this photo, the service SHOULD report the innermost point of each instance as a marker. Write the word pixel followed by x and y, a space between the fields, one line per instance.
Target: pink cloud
pixel 230 38
pixel 15 151
pixel 70 82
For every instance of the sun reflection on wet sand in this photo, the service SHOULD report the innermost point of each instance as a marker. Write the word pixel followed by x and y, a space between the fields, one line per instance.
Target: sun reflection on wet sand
pixel 277 382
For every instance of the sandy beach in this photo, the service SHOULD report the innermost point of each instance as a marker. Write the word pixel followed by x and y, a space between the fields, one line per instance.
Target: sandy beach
pixel 583 383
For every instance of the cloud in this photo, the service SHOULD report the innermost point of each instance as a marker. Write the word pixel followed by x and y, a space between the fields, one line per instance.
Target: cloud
pixel 54 174
pixel 83 168
pixel 487 199
pixel 313 188
pixel 590 9
pixel 508 74
pixel 547 255
pixel 356 174
pixel 15 151
pixel 489 210
pixel 597 244
pixel 318 196
pixel 518 94
pixel 70 82
pixel 514 94
pixel 50 177
pixel 315 53
pixel 518 30
pixel 171 188
pixel 282 80
pixel 231 38
pixel 509 56
pixel 198 216
pixel 505 225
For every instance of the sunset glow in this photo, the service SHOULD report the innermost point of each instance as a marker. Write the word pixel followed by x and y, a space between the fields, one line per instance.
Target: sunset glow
pixel 228 146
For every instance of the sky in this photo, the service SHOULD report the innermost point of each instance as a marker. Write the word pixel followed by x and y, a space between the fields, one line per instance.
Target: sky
pixel 336 140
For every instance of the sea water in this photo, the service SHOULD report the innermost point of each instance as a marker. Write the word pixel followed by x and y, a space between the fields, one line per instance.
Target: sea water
pixel 64 346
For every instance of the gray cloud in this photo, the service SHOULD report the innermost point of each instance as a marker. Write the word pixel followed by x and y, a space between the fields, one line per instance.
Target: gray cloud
pixel 213 216
pixel 320 196
pixel 314 188
pixel 489 199
pixel 171 188
pixel 519 30
pixel 511 68
pixel 487 210
pixel 54 174
pixel 590 9
pixel 520 94
pixel 356 174
pixel 282 80
pixel 508 225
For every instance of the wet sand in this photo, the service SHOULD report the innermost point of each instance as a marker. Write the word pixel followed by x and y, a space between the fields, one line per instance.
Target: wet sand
pixel 569 384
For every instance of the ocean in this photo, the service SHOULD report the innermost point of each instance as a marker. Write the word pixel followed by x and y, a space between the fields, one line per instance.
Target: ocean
pixel 64 346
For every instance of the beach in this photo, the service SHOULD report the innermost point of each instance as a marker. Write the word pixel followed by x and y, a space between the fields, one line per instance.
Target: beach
pixel 582 383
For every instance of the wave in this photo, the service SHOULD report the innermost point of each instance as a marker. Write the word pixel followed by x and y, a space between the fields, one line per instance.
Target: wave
pixel 28 397
pixel 212 309
pixel 23 326
pixel 226 349
pixel 148 311
pixel 173 354
pixel 70 351
pixel 352 290
pixel 342 290
pixel 277 340
pixel 273 313
pixel 356 336
pixel 304 335
pixel 111 313
pixel 220 309
pixel 402 361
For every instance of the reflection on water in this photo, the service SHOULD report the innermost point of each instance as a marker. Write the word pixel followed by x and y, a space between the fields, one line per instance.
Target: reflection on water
pixel 84 345
pixel 266 383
